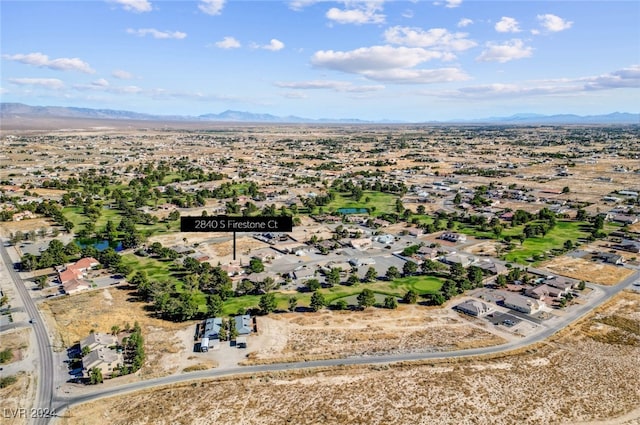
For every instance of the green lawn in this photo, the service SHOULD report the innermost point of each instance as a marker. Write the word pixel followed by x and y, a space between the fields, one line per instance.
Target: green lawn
pixel 563 231
pixel 75 215
pixel 156 269
pixel 383 202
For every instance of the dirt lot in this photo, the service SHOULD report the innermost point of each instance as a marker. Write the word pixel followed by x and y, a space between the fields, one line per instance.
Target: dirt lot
pixel 14 396
pixel 588 372
pixel 18 341
pixel 166 342
pixel 331 334
pixel 218 252
pixel 590 271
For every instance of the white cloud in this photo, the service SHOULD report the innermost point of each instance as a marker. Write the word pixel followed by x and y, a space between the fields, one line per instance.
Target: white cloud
pixel 372 58
pixel 162 35
pixel 42 61
pixel 625 78
pixel 134 5
pixel 274 45
pixel 48 83
pixel 507 24
pixel 508 51
pixel 438 38
pixel 298 5
pixel 388 63
pixel 361 13
pixel 554 23
pixel 448 3
pixel 211 7
pixel 295 94
pixel 122 75
pixel 101 82
pixel 228 43
pixel 340 86
pixel 464 22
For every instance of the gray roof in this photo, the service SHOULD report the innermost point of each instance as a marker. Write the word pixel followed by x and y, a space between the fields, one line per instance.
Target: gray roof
pixel 476 308
pixel 212 327
pixel 243 324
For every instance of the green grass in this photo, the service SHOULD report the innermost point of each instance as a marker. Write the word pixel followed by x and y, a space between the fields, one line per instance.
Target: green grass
pixel 383 202
pixel 563 231
pixel 156 270
pixel 75 215
pixel 420 284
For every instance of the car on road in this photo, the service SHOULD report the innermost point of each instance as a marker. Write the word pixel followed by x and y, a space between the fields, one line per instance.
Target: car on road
pixel 508 322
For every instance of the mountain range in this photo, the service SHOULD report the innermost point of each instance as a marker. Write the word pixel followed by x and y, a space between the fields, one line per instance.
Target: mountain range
pixel 20 110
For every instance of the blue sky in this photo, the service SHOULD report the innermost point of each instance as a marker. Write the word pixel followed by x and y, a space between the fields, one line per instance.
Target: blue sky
pixel 401 60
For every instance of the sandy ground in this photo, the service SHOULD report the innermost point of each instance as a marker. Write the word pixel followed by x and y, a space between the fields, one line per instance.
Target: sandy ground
pixel 218 251
pixel 18 341
pixel 590 271
pixel 331 334
pixel 587 374
pixel 166 343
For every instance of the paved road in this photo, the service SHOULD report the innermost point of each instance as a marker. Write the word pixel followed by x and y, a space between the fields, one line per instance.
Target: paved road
pixel 44 394
pixel 604 294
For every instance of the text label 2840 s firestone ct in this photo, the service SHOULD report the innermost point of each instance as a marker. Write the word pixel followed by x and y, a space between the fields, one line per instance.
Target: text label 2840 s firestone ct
pixel 236 224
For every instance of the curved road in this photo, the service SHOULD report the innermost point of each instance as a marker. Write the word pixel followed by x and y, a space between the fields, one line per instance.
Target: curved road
pixel 605 293
pixel 44 395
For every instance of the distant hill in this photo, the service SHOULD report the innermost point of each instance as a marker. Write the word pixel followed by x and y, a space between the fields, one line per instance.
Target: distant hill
pixel 17 110
pixel 20 110
pixel 613 118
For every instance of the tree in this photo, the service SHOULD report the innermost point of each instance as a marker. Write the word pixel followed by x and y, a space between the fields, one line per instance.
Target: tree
pixel 353 279
pixel 371 275
pixel 366 298
pixel 317 301
pixel 437 298
pixel 85 350
pixel 256 266
pixel 341 305
pixel 333 277
pixel 475 275
pixel 392 273
pixel 568 245
pixel 313 285
pixel 115 329
pixel 409 268
pixel 293 303
pixel 95 375
pixel 390 302
pixel 566 189
pixel 411 297
pixel 501 281
pixel 41 282
pixel 582 285
pixel 268 303
pixel 214 305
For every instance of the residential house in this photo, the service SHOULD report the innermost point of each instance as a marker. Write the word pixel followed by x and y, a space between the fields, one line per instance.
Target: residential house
pixel 73 286
pixel 97 339
pixel 610 258
pixel 104 358
pixel 453 237
pixel 491 267
pixel 361 244
pixel 630 245
pixel 72 278
pixel 522 304
pixel 475 308
pixel 212 327
pixel 544 291
pixel 560 283
pixel 452 259
pixel 243 324
pixel 304 274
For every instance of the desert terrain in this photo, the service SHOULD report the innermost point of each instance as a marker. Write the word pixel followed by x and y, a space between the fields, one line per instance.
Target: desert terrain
pixel 587 374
